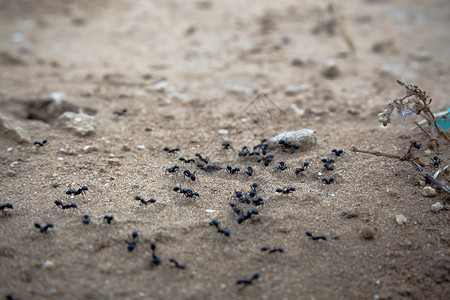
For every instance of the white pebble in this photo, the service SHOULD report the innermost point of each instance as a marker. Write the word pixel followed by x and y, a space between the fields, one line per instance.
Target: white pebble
pixel 47 264
pixel 401 219
pixel 141 147
pixel 428 191
pixel 437 207
pixel 222 131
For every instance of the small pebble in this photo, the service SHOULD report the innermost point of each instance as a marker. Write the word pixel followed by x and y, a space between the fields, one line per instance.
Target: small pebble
pixel 330 70
pixel 437 207
pixel 401 219
pixel 55 184
pixel 126 148
pixel 141 147
pixel 428 191
pixel 48 264
pixel 352 213
pixel 368 233
pixel 222 131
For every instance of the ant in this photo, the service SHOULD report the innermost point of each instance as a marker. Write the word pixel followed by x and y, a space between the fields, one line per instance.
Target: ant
pixel 208 168
pixel 328 181
pixel 258 201
pixel 266 159
pixel 173 169
pixel 143 201
pixel 340 152
pixel 249 171
pixel 43 228
pixel 6 205
pixel 186 192
pixel 299 170
pixel 86 219
pixel 226 146
pixel 10 297
pixel 155 259
pixel 233 171
pixel 205 160
pixel 248 281
pixel 247 216
pixel 59 203
pixel 263 146
pixel 282 166
pixel 216 223
pixel 81 191
pixel 315 238
pixel 186 161
pixel 287 145
pixel 189 174
pixel 436 162
pixel 108 219
pixel 172 260
pixel 327 163
pixel 134 239
pixel 120 113
pixel 273 250
pixel 39 144
pixel 286 190
pixel 168 150
pixel 253 191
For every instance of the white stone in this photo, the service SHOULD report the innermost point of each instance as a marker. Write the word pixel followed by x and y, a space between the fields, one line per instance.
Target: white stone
pixel 141 147
pixel 401 219
pixel 81 123
pixel 428 191
pixel 222 131
pixel 437 207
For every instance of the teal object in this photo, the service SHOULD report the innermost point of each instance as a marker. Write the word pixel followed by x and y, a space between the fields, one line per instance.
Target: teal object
pixel 444 121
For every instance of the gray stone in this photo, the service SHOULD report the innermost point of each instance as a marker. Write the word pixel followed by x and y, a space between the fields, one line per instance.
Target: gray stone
pixel 330 69
pixel 12 131
pixel 80 124
pixel 305 138
pixel 437 207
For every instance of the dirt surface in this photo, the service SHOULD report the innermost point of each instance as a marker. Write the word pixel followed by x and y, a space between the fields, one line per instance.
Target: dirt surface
pixel 189 74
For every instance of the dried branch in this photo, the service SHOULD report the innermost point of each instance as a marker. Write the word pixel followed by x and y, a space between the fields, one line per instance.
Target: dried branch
pixel 431 178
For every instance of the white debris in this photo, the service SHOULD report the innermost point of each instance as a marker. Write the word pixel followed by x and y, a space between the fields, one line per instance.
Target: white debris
pixel 401 219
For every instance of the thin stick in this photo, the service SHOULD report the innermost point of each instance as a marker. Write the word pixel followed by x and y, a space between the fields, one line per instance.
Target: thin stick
pixel 431 178
pixel 376 153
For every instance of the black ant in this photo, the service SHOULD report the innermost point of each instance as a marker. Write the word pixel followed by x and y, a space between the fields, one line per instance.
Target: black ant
pixel 86 219
pixel 249 171
pixel 108 219
pixel 258 201
pixel 328 181
pixel 155 259
pixel 186 161
pixel 327 163
pixel 315 238
pixel 436 162
pixel 10 297
pixel 266 159
pixel 143 201
pixel 189 174
pixel 226 146
pixel 299 170
pixel 233 171
pixel 205 160
pixel 134 239
pixel 340 152
pixel 6 205
pixel 216 223
pixel 59 203
pixel 273 250
pixel 286 190
pixel 208 168
pixel 287 145
pixel 173 169
pixel 247 216
pixel 282 166
pixel 39 144
pixel 186 192
pixel 81 191
pixel 253 191
pixel 168 150
pixel 263 146
pixel 248 281
pixel 43 228
pixel 172 260
pixel 120 113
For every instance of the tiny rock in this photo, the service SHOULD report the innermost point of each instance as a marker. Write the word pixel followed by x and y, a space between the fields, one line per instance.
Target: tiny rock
pixel 368 233
pixel 55 184
pixel 48 264
pixel 352 213
pixel 10 130
pixel 437 207
pixel 292 90
pixel 401 219
pixel 79 123
pixel 126 148
pixel 141 147
pixel 428 191
pixel 89 149
pixel 305 138
pixel 330 69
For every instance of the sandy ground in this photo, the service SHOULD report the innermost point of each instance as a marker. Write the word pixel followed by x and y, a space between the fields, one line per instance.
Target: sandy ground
pixel 188 73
